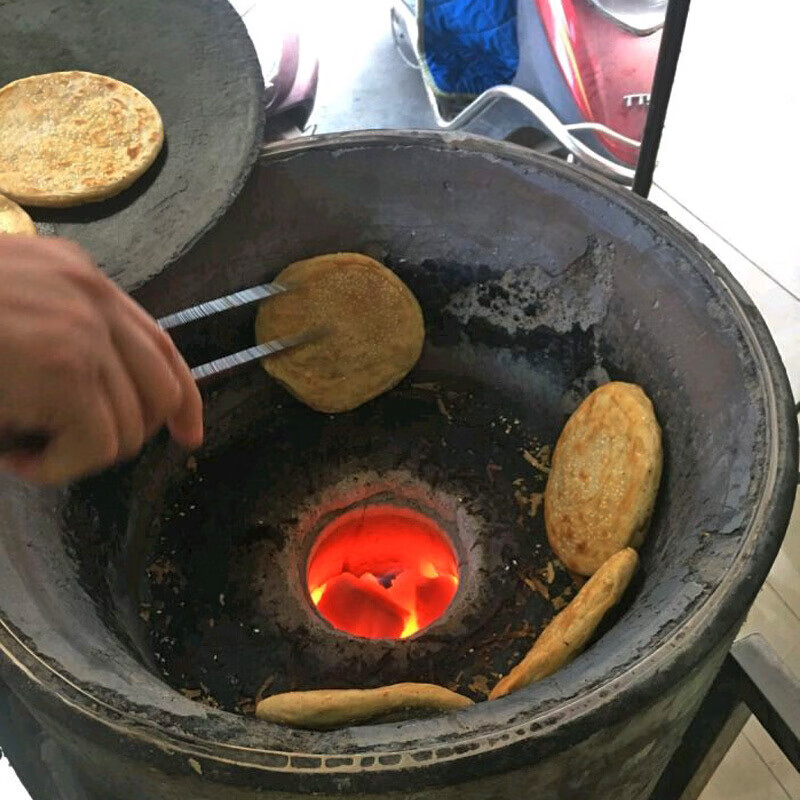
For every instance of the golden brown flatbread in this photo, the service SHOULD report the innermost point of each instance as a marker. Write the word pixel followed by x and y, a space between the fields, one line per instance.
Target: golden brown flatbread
pixel 373 330
pixel 68 138
pixel 13 219
pixel 325 709
pixel 604 477
pixel 568 632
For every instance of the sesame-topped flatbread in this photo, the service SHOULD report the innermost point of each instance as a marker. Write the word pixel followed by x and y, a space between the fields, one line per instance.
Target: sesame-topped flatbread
pixel 372 327
pixel 68 138
pixel 604 477
pixel 13 219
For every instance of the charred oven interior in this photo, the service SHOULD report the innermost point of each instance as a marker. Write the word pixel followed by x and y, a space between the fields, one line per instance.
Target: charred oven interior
pixel 211 578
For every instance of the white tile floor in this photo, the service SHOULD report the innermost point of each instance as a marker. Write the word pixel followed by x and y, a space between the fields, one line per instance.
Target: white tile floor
pixel 726 171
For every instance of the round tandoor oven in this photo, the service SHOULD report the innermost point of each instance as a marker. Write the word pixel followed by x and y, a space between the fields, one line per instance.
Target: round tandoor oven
pixel 142 609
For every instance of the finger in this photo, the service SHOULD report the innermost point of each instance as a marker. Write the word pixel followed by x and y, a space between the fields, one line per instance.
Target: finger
pixel 186 425
pixel 85 444
pixel 186 421
pixel 151 372
pixel 125 405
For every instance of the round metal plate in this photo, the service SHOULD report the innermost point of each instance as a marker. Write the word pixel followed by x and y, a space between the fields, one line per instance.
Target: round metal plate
pixel 195 61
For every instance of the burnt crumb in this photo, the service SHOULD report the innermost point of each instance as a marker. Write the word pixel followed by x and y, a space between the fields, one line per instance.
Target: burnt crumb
pixel 481 685
pixel 263 690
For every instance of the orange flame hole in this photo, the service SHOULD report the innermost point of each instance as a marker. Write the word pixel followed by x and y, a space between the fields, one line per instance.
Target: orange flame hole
pixel 382 572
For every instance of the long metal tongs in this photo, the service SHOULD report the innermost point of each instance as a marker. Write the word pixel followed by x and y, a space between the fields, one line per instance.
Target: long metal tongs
pixel 213 307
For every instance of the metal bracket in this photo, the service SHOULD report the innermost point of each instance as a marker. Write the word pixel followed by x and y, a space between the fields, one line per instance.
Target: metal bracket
pixel 753 680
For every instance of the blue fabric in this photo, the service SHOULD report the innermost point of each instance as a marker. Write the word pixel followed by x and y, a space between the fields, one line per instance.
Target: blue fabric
pixel 469 45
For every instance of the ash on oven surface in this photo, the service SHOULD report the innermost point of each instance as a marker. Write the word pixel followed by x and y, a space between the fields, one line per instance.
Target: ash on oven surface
pixel 211 639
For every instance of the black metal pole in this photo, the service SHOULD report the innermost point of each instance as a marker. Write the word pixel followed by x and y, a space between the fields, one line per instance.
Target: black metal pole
pixel 671 41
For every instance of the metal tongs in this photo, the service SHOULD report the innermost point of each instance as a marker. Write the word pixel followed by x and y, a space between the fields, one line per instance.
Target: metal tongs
pixel 213 307
pixel 15 441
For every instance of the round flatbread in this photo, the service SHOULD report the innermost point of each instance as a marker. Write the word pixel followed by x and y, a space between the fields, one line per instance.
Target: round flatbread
pixel 568 632
pixel 372 330
pixel 326 709
pixel 13 219
pixel 68 138
pixel 604 477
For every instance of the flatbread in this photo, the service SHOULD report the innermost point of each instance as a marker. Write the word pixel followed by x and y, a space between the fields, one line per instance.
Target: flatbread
pixel 326 709
pixel 568 632
pixel 13 219
pixel 68 138
pixel 372 325
pixel 604 477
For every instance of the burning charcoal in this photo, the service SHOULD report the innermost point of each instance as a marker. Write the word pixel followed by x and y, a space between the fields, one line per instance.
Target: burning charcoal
pixel 362 608
pixel 433 595
pixel 397 562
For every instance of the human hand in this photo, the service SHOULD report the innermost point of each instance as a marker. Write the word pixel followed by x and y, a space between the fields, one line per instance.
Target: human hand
pixel 83 364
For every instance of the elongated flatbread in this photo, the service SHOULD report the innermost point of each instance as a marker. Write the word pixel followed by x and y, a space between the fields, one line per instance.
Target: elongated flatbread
pixel 13 219
pixel 325 709
pixel 68 138
pixel 568 632
pixel 604 477
pixel 372 323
